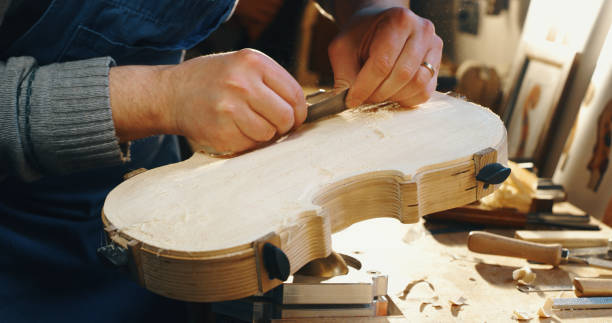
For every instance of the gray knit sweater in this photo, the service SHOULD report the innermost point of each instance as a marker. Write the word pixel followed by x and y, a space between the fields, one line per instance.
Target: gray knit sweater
pixel 55 119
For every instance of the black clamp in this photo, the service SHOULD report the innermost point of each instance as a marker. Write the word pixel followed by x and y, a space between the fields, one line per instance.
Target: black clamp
pixel 276 262
pixel 494 173
pixel 113 254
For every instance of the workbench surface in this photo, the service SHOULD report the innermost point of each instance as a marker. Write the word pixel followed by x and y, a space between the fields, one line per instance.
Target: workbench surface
pixel 409 252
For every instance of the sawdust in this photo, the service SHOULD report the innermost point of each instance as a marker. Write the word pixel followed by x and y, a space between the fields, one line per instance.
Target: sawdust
pixel 379 132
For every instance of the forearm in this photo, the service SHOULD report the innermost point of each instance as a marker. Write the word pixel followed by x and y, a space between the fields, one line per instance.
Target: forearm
pixel 55 119
pixel 138 99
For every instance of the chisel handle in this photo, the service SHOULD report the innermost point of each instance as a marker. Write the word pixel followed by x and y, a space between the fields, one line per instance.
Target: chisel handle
pixel 592 287
pixel 494 244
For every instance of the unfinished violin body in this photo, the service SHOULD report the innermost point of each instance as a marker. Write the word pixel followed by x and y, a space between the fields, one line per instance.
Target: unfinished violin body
pixel 211 229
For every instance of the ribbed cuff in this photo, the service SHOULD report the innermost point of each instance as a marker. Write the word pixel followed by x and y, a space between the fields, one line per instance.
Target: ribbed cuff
pixel 67 119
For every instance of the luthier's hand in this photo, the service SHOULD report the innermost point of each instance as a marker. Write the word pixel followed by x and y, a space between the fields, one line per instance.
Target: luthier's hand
pixel 227 101
pixel 379 54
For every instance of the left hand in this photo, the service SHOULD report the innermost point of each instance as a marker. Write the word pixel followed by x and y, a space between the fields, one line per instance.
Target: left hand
pixel 379 56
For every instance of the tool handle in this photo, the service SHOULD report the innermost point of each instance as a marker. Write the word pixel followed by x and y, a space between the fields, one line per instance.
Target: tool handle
pixel 494 244
pixel 592 286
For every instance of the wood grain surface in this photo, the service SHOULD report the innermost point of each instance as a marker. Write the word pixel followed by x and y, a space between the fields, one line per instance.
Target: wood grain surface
pixel 199 223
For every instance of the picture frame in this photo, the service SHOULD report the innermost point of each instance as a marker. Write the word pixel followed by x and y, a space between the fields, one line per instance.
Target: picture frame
pixel 584 167
pixel 540 75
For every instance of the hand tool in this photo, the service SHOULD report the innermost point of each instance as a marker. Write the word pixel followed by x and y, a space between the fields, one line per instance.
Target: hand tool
pixel 581 303
pixel 554 254
pixel 512 218
pixel 582 286
pixel 567 238
pixel 324 103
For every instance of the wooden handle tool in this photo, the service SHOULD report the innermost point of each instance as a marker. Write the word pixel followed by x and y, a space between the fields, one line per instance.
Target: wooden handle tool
pixel 592 286
pixel 493 244
pixel 582 287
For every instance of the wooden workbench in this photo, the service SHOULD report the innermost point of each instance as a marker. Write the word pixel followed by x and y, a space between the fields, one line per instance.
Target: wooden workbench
pixel 409 252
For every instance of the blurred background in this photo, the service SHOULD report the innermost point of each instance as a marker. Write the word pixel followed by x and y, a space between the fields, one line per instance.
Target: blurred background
pixel 538 64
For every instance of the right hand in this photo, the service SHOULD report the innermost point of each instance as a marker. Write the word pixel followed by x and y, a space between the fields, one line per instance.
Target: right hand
pixel 232 101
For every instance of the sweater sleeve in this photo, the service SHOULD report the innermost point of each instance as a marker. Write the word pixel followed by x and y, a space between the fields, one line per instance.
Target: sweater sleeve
pixel 55 119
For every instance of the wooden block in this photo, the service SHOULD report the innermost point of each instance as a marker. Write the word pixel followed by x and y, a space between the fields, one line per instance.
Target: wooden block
pixel 198 220
pixel 482 159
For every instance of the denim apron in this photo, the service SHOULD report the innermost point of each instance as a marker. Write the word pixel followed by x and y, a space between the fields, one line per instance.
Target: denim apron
pixel 50 229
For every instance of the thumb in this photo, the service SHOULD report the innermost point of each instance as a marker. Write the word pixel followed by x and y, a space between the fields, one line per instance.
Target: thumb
pixel 345 64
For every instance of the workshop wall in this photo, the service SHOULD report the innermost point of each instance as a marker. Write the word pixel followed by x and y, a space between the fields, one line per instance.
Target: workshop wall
pixel 497 38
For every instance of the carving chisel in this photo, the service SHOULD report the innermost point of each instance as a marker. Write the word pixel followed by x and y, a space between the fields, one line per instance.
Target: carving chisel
pixel 553 254
pixel 324 103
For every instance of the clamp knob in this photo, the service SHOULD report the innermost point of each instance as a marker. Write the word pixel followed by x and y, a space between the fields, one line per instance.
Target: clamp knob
pixel 276 262
pixel 494 173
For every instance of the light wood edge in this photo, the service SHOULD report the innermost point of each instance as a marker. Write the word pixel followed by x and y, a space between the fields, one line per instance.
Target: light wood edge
pixel 237 272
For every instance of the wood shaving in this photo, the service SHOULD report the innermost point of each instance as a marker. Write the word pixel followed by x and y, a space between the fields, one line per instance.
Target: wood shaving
pixel 524 276
pixel 433 301
pixel 414 283
pixel 458 301
pixel 546 310
pixel 515 192
pixel 522 315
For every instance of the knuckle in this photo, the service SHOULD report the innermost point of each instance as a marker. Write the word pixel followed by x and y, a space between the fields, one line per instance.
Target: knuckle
pixel 225 109
pixel 401 16
pixel 237 86
pixel 250 57
pixel 405 72
pixel 382 65
pixel 428 27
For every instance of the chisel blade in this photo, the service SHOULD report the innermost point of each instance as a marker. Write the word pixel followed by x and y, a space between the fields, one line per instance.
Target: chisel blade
pixel 325 103
pixel 598 262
